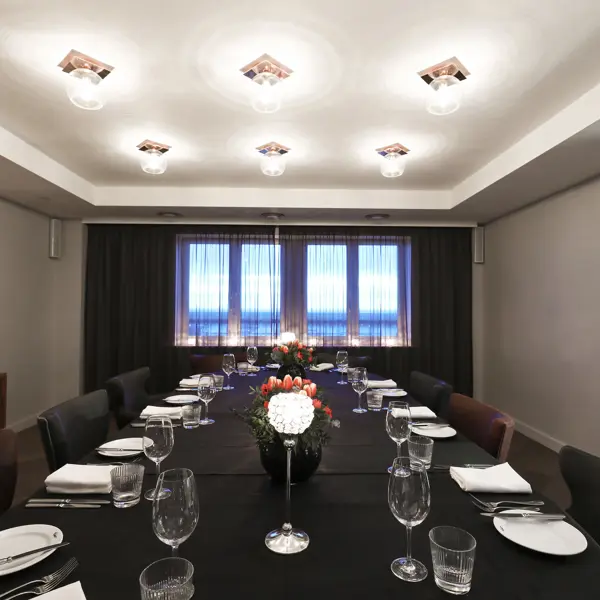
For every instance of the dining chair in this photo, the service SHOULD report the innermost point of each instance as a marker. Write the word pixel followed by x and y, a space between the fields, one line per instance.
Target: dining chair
pixel 74 428
pixel 205 363
pixel 3 378
pixel 8 468
pixel 483 424
pixel 581 472
pixel 359 361
pixel 324 357
pixel 128 395
pixel 430 391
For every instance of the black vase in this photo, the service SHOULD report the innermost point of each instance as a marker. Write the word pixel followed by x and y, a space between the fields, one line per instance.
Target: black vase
pixel 293 370
pixel 305 461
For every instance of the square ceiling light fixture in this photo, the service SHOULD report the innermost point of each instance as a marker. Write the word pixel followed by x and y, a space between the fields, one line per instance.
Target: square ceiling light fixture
pixel 85 75
pixel 394 161
pixel 268 73
pixel 153 160
pixel 443 79
pixel 273 162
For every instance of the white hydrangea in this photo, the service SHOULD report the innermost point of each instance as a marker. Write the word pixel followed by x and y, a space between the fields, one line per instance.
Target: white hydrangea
pixel 291 413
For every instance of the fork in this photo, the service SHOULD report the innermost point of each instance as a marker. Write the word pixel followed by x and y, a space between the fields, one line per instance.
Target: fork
pixel 49 582
pixel 490 506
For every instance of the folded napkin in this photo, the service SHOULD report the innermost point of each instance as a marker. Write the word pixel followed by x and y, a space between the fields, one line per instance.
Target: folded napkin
pixel 416 412
pixel 73 591
pixel 379 385
pixel 80 479
pixel 322 367
pixel 191 382
pixel 161 411
pixel 500 479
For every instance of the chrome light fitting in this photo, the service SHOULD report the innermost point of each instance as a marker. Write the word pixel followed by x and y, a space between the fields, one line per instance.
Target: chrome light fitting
pixel 394 159
pixel 445 94
pixel 268 74
pixel 153 160
pixel 272 162
pixel 85 76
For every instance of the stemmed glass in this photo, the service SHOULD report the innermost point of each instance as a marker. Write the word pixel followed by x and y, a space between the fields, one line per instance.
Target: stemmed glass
pixel 341 361
pixel 359 380
pixel 397 424
pixel 409 500
pixel 207 390
pixel 175 511
pixel 228 368
pixel 158 443
pixel 251 357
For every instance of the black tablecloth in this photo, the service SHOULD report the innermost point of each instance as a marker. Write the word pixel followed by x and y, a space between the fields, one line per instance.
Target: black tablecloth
pixel 343 508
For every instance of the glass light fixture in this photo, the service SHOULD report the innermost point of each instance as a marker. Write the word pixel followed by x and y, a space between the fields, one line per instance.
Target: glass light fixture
pixel 153 161
pixel 272 163
pixel 445 95
pixel 393 164
pixel 267 94
pixel 83 89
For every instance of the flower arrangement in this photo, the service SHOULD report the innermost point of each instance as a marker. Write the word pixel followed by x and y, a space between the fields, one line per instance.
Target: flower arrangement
pixel 262 418
pixel 290 413
pixel 291 353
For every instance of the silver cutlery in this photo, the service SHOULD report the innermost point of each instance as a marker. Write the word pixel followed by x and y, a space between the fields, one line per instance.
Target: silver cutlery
pixel 9 559
pixel 61 505
pixel 67 501
pixel 49 581
pixel 428 425
pixel 493 505
pixel 527 516
pixel 466 466
pixel 119 449
pixel 501 508
pixel 141 425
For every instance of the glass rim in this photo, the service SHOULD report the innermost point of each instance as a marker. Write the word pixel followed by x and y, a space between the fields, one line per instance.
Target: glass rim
pixel 127 467
pixel 168 559
pixel 421 440
pixel 189 473
pixel 439 528
pixel 409 461
pixel 161 418
pixel 399 403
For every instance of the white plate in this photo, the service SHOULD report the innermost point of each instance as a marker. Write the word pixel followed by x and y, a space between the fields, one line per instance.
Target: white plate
pixel 181 399
pixel 272 366
pixel 435 432
pixel 395 393
pixel 27 537
pixel 550 537
pixel 105 449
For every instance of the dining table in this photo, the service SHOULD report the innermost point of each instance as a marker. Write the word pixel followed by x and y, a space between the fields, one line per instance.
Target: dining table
pixel 343 507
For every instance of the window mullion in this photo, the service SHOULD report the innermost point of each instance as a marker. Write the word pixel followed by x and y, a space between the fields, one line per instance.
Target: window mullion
pixel 352 290
pixel 235 286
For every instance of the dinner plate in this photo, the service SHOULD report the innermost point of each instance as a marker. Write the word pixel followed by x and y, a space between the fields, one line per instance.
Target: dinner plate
pixel 272 366
pixel 435 432
pixel 110 448
pixel 395 393
pixel 22 539
pixel 181 399
pixel 550 537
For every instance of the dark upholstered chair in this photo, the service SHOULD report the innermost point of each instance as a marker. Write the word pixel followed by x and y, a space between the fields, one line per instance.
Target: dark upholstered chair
pixel 430 392
pixel 324 357
pixel 74 428
pixel 8 468
pixel 483 424
pixel 129 396
pixel 359 361
pixel 2 400
pixel 581 472
pixel 211 363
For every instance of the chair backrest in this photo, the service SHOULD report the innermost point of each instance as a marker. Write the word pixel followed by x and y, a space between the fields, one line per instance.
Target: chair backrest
pixel 74 428
pixel 128 395
pixel 430 391
pixel 581 472
pixel 483 424
pixel 206 363
pixel 359 361
pixel 8 468
pixel 3 378
pixel 324 357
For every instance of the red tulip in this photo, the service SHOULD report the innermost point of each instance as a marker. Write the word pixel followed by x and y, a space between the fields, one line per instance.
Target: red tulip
pixel 288 383
pixel 266 405
pixel 279 383
pixel 271 383
pixel 310 359
pixel 328 411
pixel 264 389
pixel 317 403
pixel 311 389
pixel 306 381
pixel 297 382
pixel 300 346
pixel 275 349
pixel 284 349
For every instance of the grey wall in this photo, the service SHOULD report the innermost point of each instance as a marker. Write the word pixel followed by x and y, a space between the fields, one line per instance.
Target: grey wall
pixel 40 313
pixel 537 354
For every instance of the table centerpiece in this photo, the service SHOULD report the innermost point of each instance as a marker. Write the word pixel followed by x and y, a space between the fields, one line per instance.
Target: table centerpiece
pixel 294 357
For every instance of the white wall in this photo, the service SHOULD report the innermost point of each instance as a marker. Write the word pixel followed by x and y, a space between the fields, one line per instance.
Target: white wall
pixel 40 313
pixel 538 352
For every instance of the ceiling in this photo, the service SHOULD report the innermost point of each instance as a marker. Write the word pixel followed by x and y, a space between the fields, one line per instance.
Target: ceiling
pixel 354 88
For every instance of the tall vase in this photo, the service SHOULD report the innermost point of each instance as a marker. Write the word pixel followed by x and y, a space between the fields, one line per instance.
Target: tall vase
pixel 293 370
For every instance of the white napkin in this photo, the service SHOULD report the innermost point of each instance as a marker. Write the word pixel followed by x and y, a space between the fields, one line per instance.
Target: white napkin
pixel 161 411
pixel 322 367
pixel 416 412
pixel 191 382
pixel 73 591
pixel 379 385
pixel 80 479
pixel 499 479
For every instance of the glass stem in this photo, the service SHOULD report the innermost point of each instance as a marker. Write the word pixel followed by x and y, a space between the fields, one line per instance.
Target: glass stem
pixel 399 453
pixel 287 526
pixel 174 550
pixel 157 470
pixel 227 379
pixel 206 411
pixel 359 395
pixel 408 543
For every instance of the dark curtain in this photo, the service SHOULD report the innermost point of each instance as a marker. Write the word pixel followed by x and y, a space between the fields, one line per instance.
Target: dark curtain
pixel 130 304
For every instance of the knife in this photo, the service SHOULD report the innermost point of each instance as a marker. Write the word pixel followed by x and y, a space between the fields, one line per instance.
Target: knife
pixel 140 425
pixel 527 516
pixel 465 466
pixel 100 448
pixel 66 501
pixel 61 505
pixel 9 559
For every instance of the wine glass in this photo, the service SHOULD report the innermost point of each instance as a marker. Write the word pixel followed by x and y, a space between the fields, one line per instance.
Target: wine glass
pixel 175 510
pixel 251 357
pixel 228 368
pixel 207 390
pixel 341 361
pixel 358 378
pixel 409 500
pixel 397 424
pixel 158 443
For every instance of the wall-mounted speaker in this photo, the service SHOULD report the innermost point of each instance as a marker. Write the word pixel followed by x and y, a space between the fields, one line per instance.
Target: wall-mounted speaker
pixel 479 245
pixel 55 239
